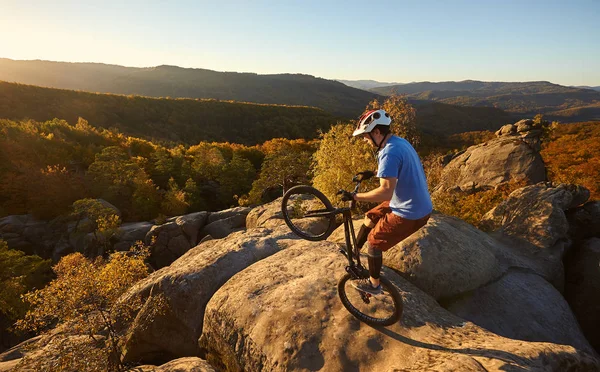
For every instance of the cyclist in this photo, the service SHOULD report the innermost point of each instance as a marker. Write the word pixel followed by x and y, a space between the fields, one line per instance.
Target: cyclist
pixel 406 204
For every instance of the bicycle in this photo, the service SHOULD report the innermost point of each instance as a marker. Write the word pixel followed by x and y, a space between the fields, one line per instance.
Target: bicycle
pixel 311 216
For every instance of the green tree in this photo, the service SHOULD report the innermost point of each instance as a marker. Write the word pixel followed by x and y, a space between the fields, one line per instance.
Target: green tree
pixel 19 273
pixel 236 179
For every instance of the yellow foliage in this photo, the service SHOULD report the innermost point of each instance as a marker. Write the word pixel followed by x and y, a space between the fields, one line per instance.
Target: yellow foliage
pixel 338 158
pixel 572 155
pixel 85 295
pixel 472 207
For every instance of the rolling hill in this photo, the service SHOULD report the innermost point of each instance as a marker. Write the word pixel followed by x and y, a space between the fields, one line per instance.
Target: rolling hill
pixel 187 121
pixel 177 82
pixel 190 121
pixel 519 99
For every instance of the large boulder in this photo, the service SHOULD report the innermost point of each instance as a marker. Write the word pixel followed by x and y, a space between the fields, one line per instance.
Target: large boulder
pixel 266 215
pixel 227 213
pixel 191 225
pixel 57 351
pixel 582 288
pixel 293 320
pixel 176 236
pixel 28 234
pixel 491 164
pixel 129 233
pixel 189 364
pixel 170 320
pixel 446 257
pixel 536 213
pixel 219 229
pixel 167 243
pixel 522 306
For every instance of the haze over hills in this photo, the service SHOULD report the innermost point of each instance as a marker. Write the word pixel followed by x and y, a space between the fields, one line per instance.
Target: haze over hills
pixel 588 87
pixel 365 84
pixel 519 98
pixel 177 82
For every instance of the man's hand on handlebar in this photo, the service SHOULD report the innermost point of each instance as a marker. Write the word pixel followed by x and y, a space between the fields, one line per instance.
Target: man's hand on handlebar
pixel 346 195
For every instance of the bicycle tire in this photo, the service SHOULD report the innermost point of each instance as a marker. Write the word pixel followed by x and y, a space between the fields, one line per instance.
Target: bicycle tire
pixel 366 318
pixel 288 217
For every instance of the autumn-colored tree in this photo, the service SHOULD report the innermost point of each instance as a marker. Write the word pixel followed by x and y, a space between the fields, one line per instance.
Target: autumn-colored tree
pixel 403 116
pixel 85 295
pixel 53 190
pixel 174 201
pixel 115 177
pixel 572 155
pixel 338 158
pixel 95 217
pixel 287 163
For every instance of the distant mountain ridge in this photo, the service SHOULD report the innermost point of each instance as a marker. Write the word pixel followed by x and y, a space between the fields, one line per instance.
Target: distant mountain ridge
pixel 518 98
pixel 365 84
pixel 588 87
pixel 178 82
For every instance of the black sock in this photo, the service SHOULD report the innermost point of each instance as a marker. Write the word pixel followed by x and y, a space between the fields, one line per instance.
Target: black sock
pixel 362 236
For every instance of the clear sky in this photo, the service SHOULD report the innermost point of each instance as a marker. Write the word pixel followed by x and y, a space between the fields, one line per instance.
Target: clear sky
pixel 391 41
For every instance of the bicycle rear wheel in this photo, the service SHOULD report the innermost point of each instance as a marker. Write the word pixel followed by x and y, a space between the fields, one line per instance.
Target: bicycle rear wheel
pixel 377 310
pixel 308 213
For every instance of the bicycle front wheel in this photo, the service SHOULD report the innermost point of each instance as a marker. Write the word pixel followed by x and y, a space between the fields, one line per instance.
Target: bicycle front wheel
pixel 376 310
pixel 308 213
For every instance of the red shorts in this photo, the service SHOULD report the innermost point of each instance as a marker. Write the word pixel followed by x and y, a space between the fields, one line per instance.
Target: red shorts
pixel 390 229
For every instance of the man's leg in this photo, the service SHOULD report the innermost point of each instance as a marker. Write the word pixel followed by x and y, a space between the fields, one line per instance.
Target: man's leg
pixel 389 231
pixel 363 232
pixel 371 218
pixel 375 260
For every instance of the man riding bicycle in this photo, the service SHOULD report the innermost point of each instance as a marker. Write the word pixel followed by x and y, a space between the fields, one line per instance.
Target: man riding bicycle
pixel 406 204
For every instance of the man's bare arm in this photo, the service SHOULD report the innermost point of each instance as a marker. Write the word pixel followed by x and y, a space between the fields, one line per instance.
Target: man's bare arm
pixel 383 193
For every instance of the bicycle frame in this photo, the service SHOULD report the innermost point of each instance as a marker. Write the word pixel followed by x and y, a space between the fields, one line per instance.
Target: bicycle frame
pixel 356 269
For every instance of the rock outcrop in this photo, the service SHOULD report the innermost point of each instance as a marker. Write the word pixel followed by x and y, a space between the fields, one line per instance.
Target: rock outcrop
pixel 292 320
pixel 536 213
pixel 170 321
pixel 168 241
pixel 243 292
pixel 513 156
pixel 189 364
pixel 267 215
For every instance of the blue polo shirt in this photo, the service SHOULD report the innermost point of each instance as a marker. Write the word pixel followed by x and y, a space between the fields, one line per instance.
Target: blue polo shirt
pixel 411 198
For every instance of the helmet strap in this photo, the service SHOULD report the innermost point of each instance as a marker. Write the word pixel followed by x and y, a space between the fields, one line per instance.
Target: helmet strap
pixel 378 145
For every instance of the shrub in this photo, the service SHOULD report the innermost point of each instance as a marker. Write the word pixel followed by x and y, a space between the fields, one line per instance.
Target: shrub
pixel 472 207
pixel 84 295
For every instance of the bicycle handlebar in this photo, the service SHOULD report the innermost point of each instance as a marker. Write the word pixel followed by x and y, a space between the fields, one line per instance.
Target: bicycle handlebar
pixel 358 178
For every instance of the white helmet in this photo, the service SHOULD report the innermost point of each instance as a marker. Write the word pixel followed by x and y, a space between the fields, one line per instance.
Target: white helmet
pixel 370 119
